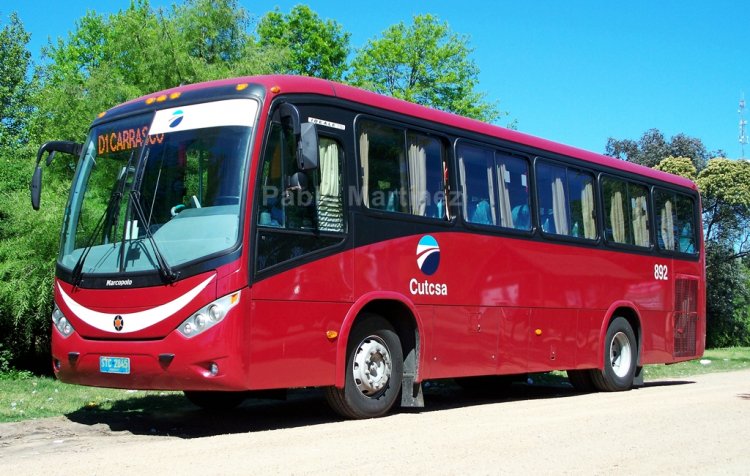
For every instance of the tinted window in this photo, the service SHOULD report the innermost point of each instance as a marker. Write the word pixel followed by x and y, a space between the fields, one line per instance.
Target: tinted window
pixel 625 212
pixel 675 221
pixel 477 172
pixel 290 218
pixel 402 171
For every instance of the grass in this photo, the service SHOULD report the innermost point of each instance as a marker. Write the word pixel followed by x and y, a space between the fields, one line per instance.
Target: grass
pixel 24 396
pixel 714 360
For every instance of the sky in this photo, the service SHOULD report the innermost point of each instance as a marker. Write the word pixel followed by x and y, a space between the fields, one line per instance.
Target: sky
pixel 576 71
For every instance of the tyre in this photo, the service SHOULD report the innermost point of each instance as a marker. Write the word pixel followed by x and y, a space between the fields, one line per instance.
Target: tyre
pixel 581 381
pixel 215 401
pixel 620 358
pixel 374 367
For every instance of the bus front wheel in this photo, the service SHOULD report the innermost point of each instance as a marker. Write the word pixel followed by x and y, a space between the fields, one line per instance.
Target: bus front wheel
pixel 374 367
pixel 620 358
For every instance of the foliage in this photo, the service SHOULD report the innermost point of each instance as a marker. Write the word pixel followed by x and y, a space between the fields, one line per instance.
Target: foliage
pixel 725 192
pixel 313 47
pixel 652 148
pixel 426 63
pixel 15 106
pixel 133 52
pixel 107 59
pixel 727 298
pixel 682 166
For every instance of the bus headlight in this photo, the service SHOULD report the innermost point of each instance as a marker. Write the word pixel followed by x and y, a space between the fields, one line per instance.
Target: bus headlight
pixel 208 316
pixel 61 322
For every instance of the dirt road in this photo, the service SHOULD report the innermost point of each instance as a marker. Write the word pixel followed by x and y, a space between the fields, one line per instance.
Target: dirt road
pixel 699 425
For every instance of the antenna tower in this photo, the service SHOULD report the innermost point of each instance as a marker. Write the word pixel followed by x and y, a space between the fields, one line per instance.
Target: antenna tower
pixel 743 123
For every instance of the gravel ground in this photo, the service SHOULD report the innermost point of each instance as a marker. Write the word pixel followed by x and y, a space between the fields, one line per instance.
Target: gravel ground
pixel 698 425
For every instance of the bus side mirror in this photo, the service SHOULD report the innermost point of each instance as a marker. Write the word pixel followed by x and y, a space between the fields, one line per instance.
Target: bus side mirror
pixel 65 147
pixel 307 147
pixel 305 134
pixel 36 187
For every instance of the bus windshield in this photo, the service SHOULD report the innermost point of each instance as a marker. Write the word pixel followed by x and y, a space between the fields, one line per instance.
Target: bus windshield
pixel 158 189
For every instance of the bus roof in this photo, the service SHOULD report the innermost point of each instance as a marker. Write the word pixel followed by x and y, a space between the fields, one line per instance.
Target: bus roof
pixel 288 84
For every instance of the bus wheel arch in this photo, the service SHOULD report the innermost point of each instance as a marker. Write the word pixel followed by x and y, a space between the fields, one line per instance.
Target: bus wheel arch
pixel 370 324
pixel 620 351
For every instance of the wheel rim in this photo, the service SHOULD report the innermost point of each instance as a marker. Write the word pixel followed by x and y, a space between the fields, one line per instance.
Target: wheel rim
pixel 372 366
pixel 621 354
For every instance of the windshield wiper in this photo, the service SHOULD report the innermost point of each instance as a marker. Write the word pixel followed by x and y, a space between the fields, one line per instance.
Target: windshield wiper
pixel 111 212
pixel 166 272
pixel 112 204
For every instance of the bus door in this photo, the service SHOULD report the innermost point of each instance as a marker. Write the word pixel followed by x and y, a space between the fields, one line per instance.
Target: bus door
pixel 302 283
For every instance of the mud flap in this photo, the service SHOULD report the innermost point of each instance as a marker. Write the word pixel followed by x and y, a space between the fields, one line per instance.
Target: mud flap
pixel 411 392
pixel 638 378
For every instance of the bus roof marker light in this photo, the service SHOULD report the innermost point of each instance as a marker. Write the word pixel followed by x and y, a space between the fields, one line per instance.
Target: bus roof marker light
pixel 161 98
pixel 150 100
pixel 241 86
pixel 175 95
pixel 101 114
pixel 275 89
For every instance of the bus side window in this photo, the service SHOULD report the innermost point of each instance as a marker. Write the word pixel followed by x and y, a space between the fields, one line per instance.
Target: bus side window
pixel 685 224
pixel 675 220
pixel 553 198
pixel 513 188
pixel 666 219
pixel 477 164
pixel 582 204
pixel 402 171
pixel 426 174
pixel 385 178
pixel 329 197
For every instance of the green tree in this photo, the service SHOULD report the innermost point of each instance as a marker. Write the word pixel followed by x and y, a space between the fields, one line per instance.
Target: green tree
pixel 313 47
pixel 425 63
pixel 15 87
pixel 725 194
pixel 104 61
pixel 682 166
pixel 652 148
pixel 136 51
pixel 25 241
pixel 727 297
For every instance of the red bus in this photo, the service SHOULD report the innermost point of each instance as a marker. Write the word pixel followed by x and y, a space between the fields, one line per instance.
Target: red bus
pixel 276 232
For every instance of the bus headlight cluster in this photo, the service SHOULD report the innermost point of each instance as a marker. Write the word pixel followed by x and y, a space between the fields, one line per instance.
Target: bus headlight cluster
pixel 209 315
pixel 61 322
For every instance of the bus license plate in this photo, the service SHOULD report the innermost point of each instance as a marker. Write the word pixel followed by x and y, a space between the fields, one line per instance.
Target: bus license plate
pixel 114 365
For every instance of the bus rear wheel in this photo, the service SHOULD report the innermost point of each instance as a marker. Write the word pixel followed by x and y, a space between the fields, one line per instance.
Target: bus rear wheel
pixel 374 367
pixel 620 358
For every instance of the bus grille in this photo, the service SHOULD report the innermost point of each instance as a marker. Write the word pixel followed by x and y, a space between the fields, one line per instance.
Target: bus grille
pixel 685 317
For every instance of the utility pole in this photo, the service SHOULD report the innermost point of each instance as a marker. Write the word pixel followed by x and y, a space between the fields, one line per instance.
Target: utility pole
pixel 743 123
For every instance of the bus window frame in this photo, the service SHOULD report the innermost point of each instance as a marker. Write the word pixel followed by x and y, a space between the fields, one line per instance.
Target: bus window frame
pixel 651 217
pixel 448 160
pixel 697 217
pixel 256 229
pixel 597 204
pixel 460 183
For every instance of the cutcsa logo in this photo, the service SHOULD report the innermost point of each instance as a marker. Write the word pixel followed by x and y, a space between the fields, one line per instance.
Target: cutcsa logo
pixel 428 255
pixel 176 118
